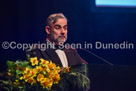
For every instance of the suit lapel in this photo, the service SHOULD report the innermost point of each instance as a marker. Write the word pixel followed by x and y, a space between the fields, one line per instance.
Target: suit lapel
pixel 68 56
pixel 53 56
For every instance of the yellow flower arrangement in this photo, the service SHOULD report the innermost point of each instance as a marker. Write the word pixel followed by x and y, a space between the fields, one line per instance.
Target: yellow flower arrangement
pixel 42 75
pixel 42 72
pixel 45 72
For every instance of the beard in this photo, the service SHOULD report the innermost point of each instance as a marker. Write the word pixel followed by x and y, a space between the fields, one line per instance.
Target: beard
pixel 58 39
pixel 61 39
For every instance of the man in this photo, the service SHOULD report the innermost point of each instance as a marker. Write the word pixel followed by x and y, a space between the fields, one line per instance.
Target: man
pixel 56 29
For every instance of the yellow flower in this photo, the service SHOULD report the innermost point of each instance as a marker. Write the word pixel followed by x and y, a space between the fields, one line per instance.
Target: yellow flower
pixel 34 61
pixel 56 78
pixel 65 69
pixel 50 75
pixel 30 72
pixel 33 72
pixel 16 83
pixel 51 65
pixel 68 69
pixel 56 70
pixel 27 71
pixel 26 77
pixel 31 80
pixel 44 70
pixel 21 78
pixel 39 68
pixel 9 74
pixel 40 77
pixel 47 83
pixel 44 62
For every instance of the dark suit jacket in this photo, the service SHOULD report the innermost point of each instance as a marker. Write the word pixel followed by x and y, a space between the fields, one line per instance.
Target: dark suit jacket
pixel 50 54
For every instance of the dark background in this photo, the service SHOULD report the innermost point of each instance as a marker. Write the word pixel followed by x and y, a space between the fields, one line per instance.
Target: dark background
pixel 23 21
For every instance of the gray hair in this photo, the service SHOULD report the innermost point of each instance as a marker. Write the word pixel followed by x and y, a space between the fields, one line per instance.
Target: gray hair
pixel 53 18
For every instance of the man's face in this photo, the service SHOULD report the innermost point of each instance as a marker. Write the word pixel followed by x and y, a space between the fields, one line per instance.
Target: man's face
pixel 58 31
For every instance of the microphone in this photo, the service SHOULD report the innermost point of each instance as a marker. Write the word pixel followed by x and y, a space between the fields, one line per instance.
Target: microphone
pixel 102 59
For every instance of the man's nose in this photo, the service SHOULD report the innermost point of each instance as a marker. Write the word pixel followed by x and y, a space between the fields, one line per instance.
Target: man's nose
pixel 62 31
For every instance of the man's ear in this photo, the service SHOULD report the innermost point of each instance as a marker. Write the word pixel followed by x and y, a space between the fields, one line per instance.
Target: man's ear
pixel 48 29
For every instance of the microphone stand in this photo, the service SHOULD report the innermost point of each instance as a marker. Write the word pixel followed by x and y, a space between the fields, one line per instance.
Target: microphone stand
pixel 102 59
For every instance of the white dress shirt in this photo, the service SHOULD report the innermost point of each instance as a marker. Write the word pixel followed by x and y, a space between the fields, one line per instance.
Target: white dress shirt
pixel 62 57
pixel 60 53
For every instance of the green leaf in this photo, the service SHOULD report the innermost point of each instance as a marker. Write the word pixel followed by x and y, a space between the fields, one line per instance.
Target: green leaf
pixel 23 63
pixel 11 64
pixel 13 71
pixel 29 66
pixel 22 88
pixel 4 82
pixel 19 72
